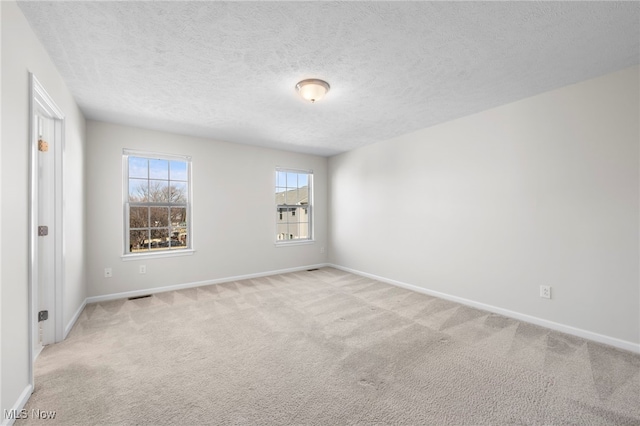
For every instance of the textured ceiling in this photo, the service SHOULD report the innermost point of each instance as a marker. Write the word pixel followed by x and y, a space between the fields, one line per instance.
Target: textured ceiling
pixel 227 70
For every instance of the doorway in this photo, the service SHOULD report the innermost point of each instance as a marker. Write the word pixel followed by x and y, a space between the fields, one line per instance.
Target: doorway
pixel 46 263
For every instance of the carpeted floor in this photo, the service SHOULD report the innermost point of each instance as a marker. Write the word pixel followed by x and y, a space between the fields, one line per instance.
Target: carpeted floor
pixel 325 348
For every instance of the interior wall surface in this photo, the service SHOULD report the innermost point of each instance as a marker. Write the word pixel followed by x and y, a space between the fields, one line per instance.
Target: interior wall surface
pixel 233 211
pixel 489 207
pixel 23 53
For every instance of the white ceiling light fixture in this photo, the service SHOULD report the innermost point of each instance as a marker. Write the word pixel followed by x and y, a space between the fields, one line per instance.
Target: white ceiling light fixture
pixel 312 89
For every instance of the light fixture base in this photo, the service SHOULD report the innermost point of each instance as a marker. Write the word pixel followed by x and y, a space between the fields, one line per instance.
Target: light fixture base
pixel 312 89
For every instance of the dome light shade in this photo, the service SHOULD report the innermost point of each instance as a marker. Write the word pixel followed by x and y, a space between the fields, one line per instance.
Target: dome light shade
pixel 312 89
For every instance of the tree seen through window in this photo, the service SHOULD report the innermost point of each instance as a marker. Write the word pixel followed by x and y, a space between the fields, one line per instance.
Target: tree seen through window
pixel 157 204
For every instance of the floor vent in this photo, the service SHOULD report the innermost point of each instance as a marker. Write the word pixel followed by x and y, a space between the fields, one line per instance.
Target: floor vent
pixel 139 297
pixel 311 270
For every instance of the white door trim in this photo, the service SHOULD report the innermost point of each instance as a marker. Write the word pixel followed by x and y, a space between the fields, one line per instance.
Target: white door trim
pixel 40 101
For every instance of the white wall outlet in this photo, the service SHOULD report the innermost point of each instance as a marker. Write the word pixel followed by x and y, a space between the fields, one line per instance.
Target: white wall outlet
pixel 108 273
pixel 143 269
pixel 321 249
pixel 545 291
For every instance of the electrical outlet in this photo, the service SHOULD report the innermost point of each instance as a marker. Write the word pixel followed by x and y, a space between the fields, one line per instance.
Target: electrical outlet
pixel 321 249
pixel 108 273
pixel 545 291
pixel 143 269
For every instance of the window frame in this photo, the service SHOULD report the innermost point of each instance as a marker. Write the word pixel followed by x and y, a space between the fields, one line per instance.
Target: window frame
pixel 309 207
pixel 168 252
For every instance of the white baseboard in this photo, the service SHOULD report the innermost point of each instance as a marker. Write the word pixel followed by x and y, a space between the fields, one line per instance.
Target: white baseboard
pixel 69 326
pixel 585 334
pixel 19 405
pixel 135 293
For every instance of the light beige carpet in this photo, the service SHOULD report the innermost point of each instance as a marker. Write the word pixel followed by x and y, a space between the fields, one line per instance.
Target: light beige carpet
pixel 325 348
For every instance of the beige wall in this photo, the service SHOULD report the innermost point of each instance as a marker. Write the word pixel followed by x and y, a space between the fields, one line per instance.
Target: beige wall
pixel 234 231
pixel 22 53
pixel 489 207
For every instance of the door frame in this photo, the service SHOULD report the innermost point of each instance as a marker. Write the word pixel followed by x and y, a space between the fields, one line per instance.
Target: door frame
pixel 41 102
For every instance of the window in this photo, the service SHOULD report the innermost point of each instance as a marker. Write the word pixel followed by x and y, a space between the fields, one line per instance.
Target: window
pixel 294 205
pixel 157 205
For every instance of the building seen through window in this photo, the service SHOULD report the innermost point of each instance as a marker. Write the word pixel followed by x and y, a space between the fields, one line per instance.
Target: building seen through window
pixel 293 205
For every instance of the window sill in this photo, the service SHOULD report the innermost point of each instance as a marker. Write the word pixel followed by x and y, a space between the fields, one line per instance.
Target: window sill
pixel 139 256
pixel 294 243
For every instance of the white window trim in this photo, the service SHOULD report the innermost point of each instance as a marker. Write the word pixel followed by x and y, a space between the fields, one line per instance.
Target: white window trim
pixel 152 255
pixel 311 239
pixel 126 153
pixel 285 243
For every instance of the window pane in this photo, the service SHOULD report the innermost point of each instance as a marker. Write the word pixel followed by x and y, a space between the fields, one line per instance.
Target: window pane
pixel 138 241
pixel 303 195
pixel 292 180
pixel 287 197
pixel 138 217
pixel 178 216
pixel 281 179
pixel 280 195
pixel 303 180
pixel 296 197
pixel 179 228
pixel 299 230
pixel 303 230
pixel 159 169
pixel 159 217
pixel 292 197
pixel 178 170
pixel 158 191
pixel 179 237
pixel 138 190
pixel 283 232
pixel 178 192
pixel 159 238
pixel 138 167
